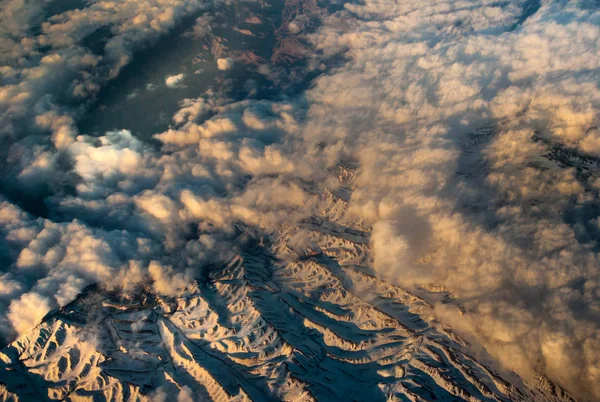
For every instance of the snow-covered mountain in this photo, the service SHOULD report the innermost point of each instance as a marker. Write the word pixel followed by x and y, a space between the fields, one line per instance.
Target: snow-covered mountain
pixel 299 200
pixel 278 322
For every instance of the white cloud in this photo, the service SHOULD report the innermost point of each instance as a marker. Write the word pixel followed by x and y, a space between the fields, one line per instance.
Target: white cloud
pixel 489 218
pixel 174 81
pixel 403 106
pixel 225 64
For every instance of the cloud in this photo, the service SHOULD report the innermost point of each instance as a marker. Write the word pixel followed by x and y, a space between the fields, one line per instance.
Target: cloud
pixel 183 395
pixel 55 261
pixel 165 281
pixel 175 81
pixel 56 66
pixel 472 127
pixel 225 64
pixel 490 216
pixel 27 311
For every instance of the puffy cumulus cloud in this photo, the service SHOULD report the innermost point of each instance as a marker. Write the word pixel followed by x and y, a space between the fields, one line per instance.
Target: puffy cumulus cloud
pixel 52 262
pixel 80 210
pixel 196 109
pixel 27 311
pixel 54 62
pixel 117 160
pixel 473 126
pixel 225 64
pixel 175 81
pixel 167 282
pixel 136 214
pixel 55 65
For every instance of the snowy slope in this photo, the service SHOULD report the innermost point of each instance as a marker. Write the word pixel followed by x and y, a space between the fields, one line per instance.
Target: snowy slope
pixel 279 322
